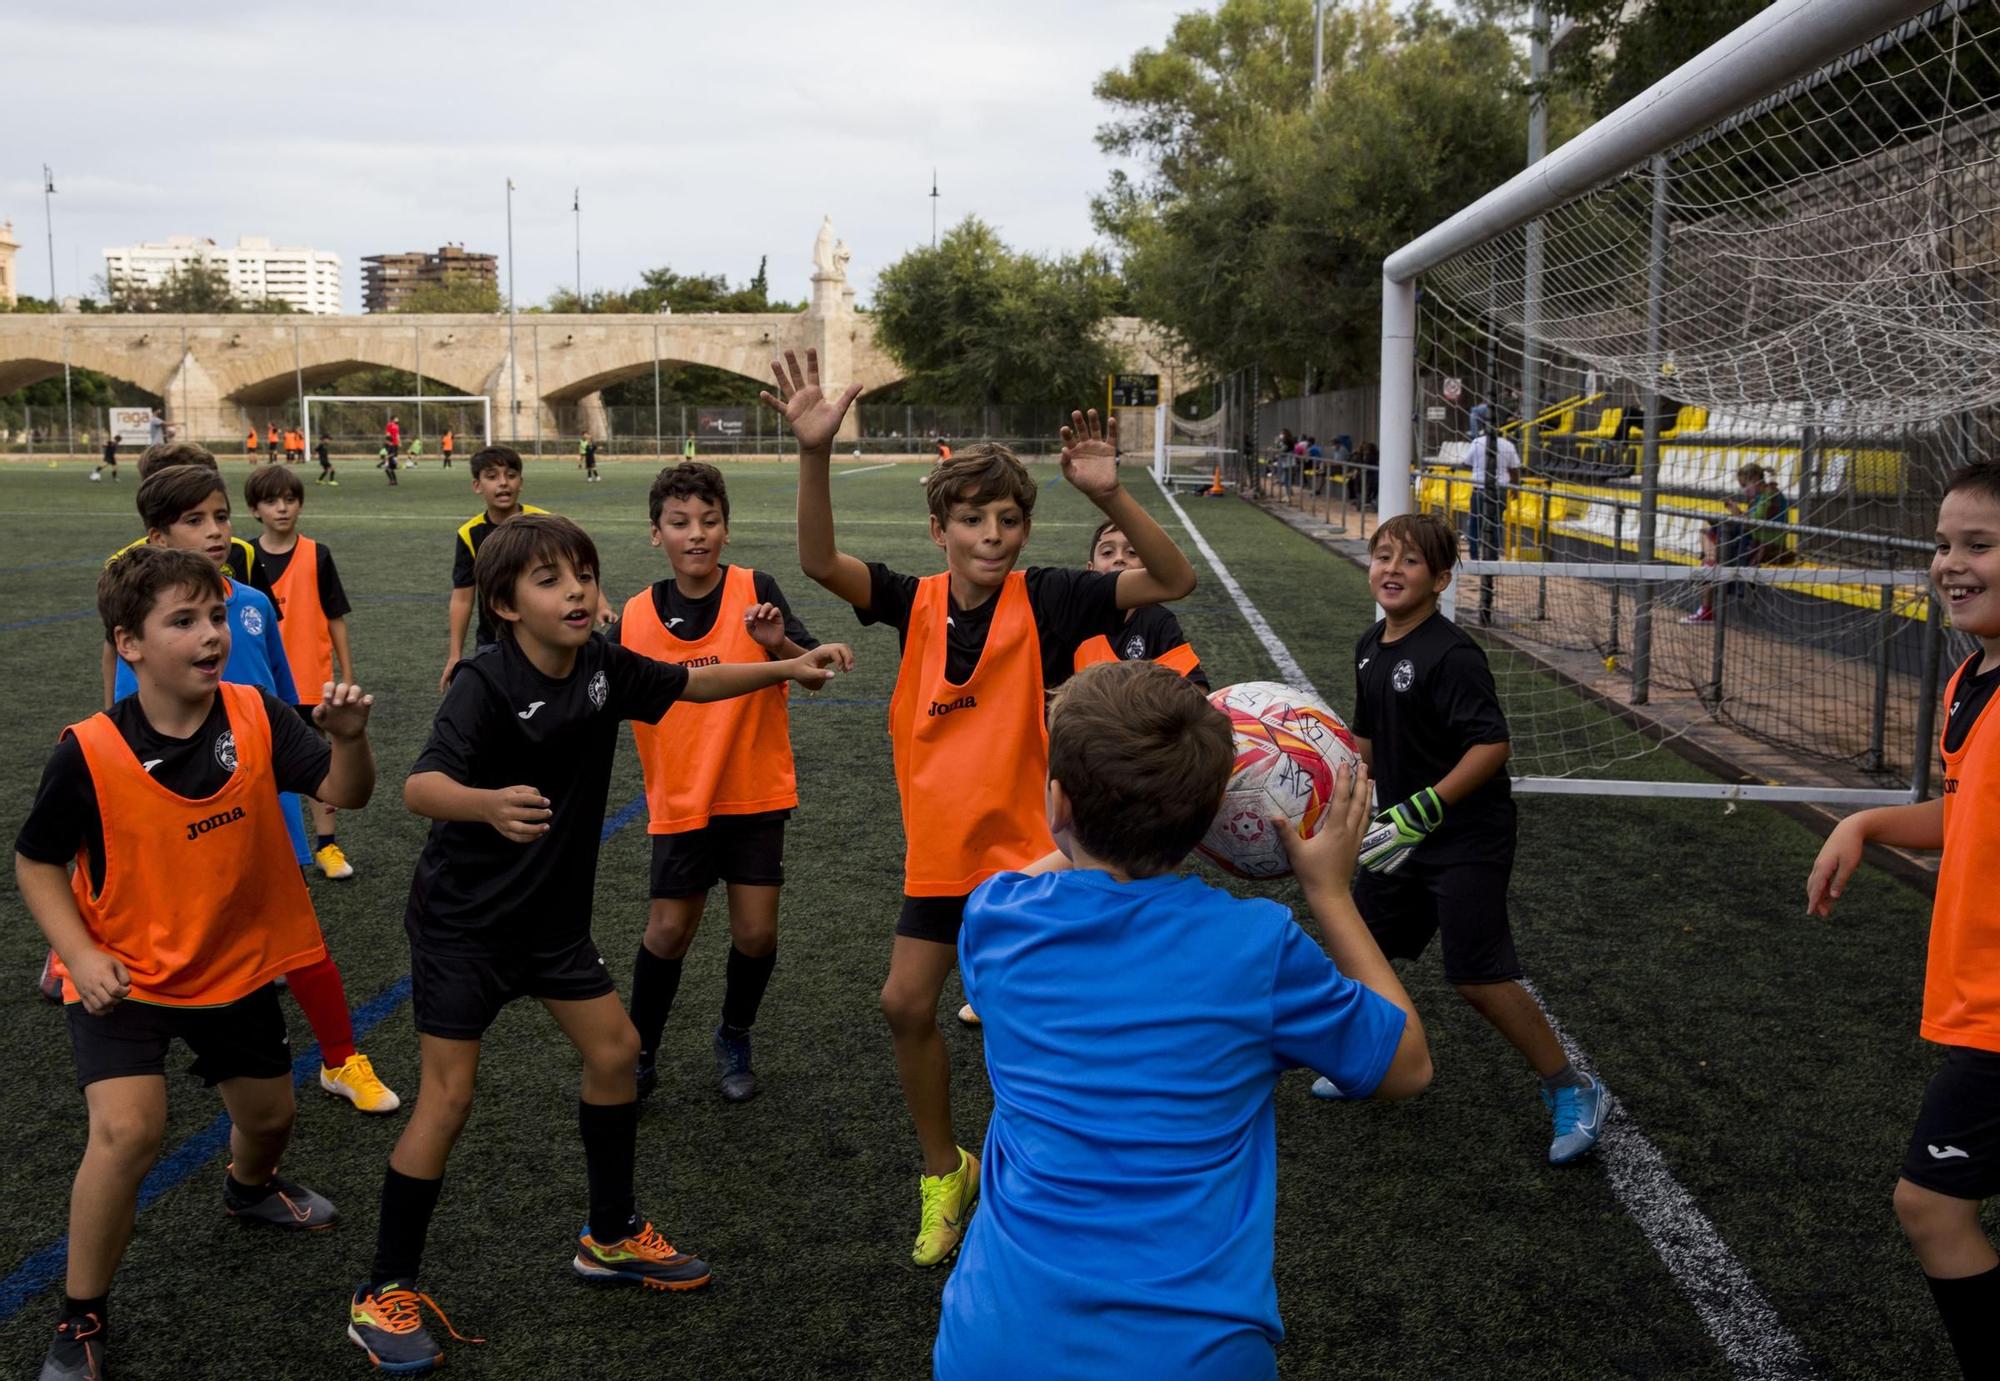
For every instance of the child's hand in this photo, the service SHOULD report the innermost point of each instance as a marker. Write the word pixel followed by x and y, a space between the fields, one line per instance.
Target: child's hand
pixel 766 625
pixel 843 656
pixel 1838 858
pixel 101 981
pixel 520 813
pixel 806 410
pixel 818 666
pixel 1090 454
pixel 444 677
pixel 342 712
pixel 1328 858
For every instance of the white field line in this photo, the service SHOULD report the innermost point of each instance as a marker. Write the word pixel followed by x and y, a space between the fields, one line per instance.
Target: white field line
pixel 445 524
pixel 1727 1300
pixel 864 469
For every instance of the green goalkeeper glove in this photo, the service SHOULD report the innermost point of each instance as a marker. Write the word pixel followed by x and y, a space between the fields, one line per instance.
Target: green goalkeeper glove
pixel 1399 829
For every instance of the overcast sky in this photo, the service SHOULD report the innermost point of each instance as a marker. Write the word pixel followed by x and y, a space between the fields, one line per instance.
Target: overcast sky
pixel 702 135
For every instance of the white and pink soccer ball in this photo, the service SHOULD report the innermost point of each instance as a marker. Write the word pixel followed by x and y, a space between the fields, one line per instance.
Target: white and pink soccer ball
pixel 1289 748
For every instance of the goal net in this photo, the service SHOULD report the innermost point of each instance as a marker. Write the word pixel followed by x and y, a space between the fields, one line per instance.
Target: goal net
pixel 1195 454
pixel 356 423
pixel 1737 375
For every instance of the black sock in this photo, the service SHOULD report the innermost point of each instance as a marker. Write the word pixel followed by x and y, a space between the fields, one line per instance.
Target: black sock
pixel 1968 1307
pixel 74 1308
pixel 655 984
pixel 407 1206
pixel 744 981
pixel 247 1193
pixel 1566 1077
pixel 610 1145
pixel 320 841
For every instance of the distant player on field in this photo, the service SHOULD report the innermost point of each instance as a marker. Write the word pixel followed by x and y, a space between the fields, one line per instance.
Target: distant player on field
pixel 445 444
pixel 322 453
pixel 1953 1161
pixel 1430 727
pixel 496 479
pixel 981 644
pixel 392 438
pixel 110 461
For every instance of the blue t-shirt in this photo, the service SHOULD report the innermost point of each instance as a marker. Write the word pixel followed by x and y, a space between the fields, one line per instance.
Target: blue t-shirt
pixel 1134 1037
pixel 256 652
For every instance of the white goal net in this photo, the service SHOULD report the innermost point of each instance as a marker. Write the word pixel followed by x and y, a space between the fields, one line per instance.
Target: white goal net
pixel 357 423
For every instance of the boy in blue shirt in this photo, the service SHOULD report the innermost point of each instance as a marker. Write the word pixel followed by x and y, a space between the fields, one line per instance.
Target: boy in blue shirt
pixel 1136 1025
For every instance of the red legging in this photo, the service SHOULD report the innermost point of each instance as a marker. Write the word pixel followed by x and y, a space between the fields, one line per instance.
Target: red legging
pixel 323 998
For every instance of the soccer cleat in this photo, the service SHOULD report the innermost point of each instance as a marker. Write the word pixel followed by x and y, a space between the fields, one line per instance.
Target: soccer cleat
pixel 645 1258
pixel 1578 1113
pixel 1324 1087
pixel 732 1061
pixel 386 1322
pixel 49 985
pixel 333 863
pixel 968 1016
pixel 357 1083
pixel 947 1204
pixel 288 1205
pixel 77 1351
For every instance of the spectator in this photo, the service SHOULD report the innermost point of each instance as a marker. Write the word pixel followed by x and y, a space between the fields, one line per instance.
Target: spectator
pixel 1487 505
pixel 1754 538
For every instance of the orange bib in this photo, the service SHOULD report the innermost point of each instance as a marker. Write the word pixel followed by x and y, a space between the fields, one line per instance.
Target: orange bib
pixel 727 757
pixel 1962 974
pixel 1091 651
pixel 972 761
pixel 302 623
pixel 202 901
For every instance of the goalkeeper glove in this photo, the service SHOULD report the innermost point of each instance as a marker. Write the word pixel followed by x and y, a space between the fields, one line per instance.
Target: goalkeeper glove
pixel 1399 829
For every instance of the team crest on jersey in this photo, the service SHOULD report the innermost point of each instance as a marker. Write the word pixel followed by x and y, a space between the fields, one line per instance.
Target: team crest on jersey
pixel 1404 676
pixel 253 621
pixel 599 691
pixel 225 750
pixel 1135 648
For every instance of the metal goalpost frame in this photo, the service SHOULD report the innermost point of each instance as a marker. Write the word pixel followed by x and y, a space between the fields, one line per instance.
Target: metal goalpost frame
pixel 484 400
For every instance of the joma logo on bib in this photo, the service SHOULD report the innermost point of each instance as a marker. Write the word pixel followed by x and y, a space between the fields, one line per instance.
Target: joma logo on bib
pixel 702 662
pixel 964 702
pixel 197 828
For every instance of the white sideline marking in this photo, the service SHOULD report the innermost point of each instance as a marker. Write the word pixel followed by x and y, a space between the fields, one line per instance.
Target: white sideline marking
pixel 1728 1302
pixel 866 468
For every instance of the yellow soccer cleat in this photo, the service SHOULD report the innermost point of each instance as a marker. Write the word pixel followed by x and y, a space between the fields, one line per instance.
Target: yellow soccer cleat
pixel 356 1082
pixel 968 1016
pixel 333 862
pixel 948 1201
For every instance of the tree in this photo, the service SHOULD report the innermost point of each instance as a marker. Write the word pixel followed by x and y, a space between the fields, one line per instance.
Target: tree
pixel 198 286
pixel 1622 49
pixel 456 293
pixel 662 289
pixel 972 321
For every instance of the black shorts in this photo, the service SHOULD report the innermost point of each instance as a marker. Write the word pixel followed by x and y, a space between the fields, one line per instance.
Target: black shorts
pixel 745 849
pixel 244 1039
pixel 1955 1146
pixel 1466 901
pixel 931 918
pixel 457 996
pixel 392 448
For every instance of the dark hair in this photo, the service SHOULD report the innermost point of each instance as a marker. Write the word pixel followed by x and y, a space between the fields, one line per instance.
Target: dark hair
pixel 979 474
pixel 494 458
pixel 1143 758
pixel 130 586
pixel 1108 525
pixel 156 458
pixel 1425 533
pixel 168 493
pixel 691 479
pixel 1981 477
pixel 519 545
pixel 273 482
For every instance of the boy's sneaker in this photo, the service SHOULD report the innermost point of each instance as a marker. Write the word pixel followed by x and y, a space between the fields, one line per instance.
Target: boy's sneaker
pixel 77 1351
pixel 645 1258
pixel 288 1205
pixel 947 1204
pixel 968 1016
pixel 732 1061
pixel 386 1322
pixel 356 1082
pixel 1578 1113
pixel 333 863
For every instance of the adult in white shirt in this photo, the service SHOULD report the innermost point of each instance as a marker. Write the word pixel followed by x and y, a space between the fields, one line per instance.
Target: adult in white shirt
pixel 1509 473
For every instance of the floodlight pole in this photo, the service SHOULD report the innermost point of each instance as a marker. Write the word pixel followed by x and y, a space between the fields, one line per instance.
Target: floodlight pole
pixel 934 202
pixel 576 209
pixel 513 364
pixel 49 227
pixel 1319 44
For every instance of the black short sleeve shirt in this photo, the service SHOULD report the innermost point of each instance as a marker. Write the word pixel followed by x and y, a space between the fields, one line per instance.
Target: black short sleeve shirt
pixel 1071 606
pixel 1974 690
pixel 692 619
pixel 1422 702
pixel 503 723
pixel 333 600
pixel 1150 632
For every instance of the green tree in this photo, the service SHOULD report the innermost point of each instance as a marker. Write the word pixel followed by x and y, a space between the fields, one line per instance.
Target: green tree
pixel 972 321
pixel 198 286
pixel 662 289
pixel 458 293
pixel 1622 49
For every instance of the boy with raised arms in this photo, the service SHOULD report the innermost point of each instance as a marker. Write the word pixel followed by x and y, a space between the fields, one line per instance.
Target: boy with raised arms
pixel 514 778
pixel 166 807
pixel 719 777
pixel 1952 1164
pixel 982 643
pixel 1131 1162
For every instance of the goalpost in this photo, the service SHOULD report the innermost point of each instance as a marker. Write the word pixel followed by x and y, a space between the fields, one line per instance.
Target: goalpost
pixel 1777 261
pixel 370 413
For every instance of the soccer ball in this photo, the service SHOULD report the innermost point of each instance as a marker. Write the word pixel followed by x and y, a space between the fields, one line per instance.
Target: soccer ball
pixel 1288 750
pixel 96 478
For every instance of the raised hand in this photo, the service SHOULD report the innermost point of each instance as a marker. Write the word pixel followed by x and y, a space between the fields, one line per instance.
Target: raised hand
pixel 813 418
pixel 520 813
pixel 1329 855
pixel 342 711
pixel 1090 454
pixel 765 624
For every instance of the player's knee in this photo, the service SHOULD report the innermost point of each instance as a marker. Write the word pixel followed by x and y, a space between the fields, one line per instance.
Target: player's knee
pixel 1925 1214
pixel 668 934
pixel 613 1054
pixel 907 1013
pixel 128 1137
pixel 446 1101
pixel 754 938
pixel 266 1117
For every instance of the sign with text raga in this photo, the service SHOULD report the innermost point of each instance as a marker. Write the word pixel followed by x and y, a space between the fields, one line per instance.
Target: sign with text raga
pixel 133 426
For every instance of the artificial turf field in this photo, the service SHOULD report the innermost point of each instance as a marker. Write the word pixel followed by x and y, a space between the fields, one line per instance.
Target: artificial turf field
pixel 1772 1060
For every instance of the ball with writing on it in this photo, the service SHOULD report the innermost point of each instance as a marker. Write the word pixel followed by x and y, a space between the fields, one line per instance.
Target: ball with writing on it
pixel 1289 750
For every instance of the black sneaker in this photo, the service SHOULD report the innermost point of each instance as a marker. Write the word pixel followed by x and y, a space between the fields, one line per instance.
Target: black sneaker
pixel 77 1353
pixel 732 1060
pixel 288 1205
pixel 386 1322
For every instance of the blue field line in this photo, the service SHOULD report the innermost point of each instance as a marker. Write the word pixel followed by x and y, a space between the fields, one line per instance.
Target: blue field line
pixel 50 565
pixel 43 1269
pixel 70 617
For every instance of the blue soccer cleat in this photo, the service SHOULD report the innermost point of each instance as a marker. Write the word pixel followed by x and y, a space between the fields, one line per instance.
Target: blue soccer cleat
pixel 1578 1113
pixel 1324 1087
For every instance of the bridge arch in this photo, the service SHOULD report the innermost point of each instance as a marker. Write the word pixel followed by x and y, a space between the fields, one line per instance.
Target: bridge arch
pixel 37 353
pixel 271 374
pixel 579 360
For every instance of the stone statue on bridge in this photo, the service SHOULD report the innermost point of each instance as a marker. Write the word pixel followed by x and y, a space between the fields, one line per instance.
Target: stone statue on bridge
pixel 825 264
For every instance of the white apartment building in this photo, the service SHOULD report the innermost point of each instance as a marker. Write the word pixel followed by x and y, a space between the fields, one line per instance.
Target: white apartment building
pixel 308 279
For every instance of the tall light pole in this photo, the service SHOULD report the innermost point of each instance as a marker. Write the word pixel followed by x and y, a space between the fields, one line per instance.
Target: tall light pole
pixel 934 197
pixel 576 206
pixel 1319 43
pixel 513 365
pixel 49 225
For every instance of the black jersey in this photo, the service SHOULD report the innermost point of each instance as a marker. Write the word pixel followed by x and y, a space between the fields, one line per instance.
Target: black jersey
pixel 271 568
pixel 65 817
pixel 1422 702
pixel 1070 607
pixel 691 619
pixel 1974 690
pixel 1151 632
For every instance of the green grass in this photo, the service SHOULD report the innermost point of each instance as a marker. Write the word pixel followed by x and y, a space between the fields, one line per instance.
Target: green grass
pixel 1772 1059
